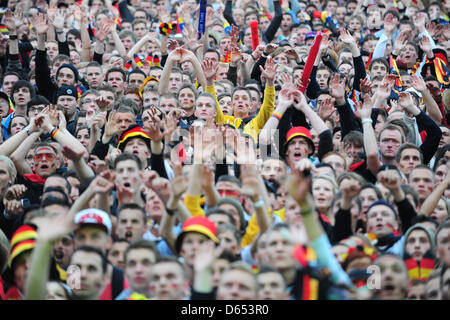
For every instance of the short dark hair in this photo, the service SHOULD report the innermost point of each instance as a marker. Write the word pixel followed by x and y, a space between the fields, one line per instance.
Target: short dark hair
pixel 127 156
pixel 141 244
pixel 91 249
pixel 115 70
pixel 133 206
pixel 37 100
pixel 228 178
pixel 408 146
pixel 135 71
pixel 216 210
pixel 20 84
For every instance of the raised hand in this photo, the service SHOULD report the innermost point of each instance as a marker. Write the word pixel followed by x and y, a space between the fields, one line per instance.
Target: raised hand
pixel 40 23
pixel 327 109
pixel 366 85
pixel 404 100
pixel 162 188
pixel 299 100
pixel 270 71
pixel 425 45
pixel 102 33
pixel 209 69
pixel 97 164
pixel 179 182
pixel 172 44
pixel 236 55
pixel 111 126
pixel 363 110
pixel 350 188
pixel 337 88
pixel 418 83
pixel 59 19
pixel 390 179
pixel 292 54
pixel 401 41
pixel 103 183
pixel 72 154
pixel 384 91
pixel 9 21
pixel 271 47
pixel 419 21
pixel 297 184
pixel 346 37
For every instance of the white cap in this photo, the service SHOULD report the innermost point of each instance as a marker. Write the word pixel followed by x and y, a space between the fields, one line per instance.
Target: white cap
pixel 94 216
pixel 411 89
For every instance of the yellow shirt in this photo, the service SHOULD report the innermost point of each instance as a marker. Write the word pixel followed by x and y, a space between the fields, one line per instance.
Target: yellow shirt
pixel 257 123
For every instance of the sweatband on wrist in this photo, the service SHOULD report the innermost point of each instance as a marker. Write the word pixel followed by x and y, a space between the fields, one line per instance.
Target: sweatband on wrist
pixel 258 204
pixel 276 115
pixel 366 120
pixel 54 133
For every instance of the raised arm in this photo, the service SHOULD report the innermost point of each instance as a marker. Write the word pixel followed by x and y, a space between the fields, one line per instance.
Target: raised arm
pixel 431 105
pixel 174 57
pixel 285 100
pixel 369 137
pixel 22 147
pixel 432 200
pixel 298 187
pixel 360 71
pixel 82 20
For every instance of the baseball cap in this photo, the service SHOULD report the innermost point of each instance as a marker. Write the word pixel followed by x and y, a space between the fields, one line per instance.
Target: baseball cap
pixel 94 217
pixel 200 225
pixel 299 132
pixel 133 131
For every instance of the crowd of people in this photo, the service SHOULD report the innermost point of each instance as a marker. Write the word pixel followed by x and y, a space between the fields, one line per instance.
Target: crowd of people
pixel 224 149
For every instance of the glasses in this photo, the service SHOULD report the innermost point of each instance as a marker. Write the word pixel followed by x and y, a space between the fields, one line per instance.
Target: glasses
pixel 227 193
pixel 32 109
pixel 41 156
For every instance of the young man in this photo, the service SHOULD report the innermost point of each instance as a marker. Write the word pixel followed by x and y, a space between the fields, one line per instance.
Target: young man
pixel 94 229
pixel 115 77
pixel 131 222
pixel 408 157
pixel 140 256
pixel 94 75
pixel 169 280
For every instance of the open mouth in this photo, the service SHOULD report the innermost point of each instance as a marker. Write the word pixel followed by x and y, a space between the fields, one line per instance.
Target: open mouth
pixel 58 255
pixel 127 184
pixel 389 288
pixel 44 167
pixel 128 235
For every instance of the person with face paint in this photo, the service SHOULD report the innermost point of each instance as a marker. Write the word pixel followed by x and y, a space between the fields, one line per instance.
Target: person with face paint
pixel 45 155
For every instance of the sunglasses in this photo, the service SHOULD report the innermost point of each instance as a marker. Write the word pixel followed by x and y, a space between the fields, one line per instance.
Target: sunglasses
pixel 227 193
pixel 41 156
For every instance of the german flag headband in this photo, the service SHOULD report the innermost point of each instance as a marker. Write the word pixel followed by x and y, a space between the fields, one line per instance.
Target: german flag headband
pixel 131 132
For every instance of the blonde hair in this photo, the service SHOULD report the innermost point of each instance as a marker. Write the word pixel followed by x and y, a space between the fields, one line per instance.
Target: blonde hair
pixel 10 167
pixel 329 179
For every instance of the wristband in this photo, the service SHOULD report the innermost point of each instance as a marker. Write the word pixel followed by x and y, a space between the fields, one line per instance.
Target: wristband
pixel 366 120
pixel 277 115
pixel 170 212
pixel 59 32
pixel 258 204
pixel 28 131
pixel 13 37
pixel 54 133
